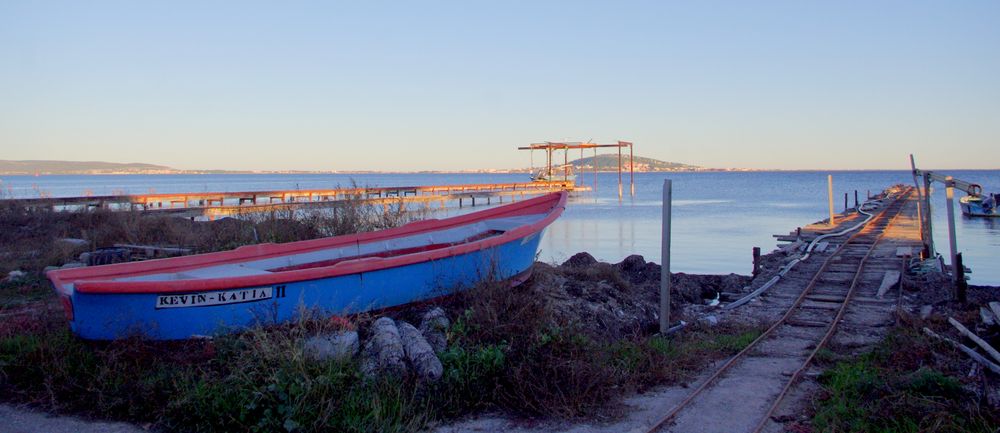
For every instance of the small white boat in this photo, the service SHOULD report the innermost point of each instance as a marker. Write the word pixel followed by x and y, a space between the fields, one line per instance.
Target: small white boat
pixel 984 205
pixel 555 174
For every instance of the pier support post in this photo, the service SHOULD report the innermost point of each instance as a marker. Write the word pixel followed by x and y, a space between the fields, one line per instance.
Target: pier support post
pixel 665 259
pixel 929 226
pixel 952 242
pixel 829 188
pixel 845 202
pixel 756 261
pixel 960 285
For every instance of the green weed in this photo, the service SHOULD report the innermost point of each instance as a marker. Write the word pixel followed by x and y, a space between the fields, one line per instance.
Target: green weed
pixel 893 389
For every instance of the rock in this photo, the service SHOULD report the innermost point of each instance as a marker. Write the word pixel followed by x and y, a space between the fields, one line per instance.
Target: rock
pixel 987 316
pixel 338 346
pixel 710 320
pixel 75 242
pixel 107 256
pixel 16 275
pixel 383 352
pixel 419 353
pixel 925 311
pixel 72 265
pixel 84 257
pixel 633 268
pixel 434 325
pixel 580 260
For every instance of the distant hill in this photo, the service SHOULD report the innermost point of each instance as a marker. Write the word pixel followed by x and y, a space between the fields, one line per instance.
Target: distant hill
pixel 610 163
pixel 79 167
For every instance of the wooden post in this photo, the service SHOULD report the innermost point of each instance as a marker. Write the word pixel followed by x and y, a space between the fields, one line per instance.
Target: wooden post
pixel 845 202
pixel 665 255
pixel 921 224
pixel 961 285
pixel 829 188
pixel 949 192
pixel 855 199
pixel 928 212
pixel 756 261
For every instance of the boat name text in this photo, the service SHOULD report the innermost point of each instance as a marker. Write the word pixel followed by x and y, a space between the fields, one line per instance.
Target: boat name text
pixel 218 298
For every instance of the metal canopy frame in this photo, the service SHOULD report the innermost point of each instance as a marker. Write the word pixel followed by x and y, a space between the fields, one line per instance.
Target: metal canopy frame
pixel 924 212
pixel 552 146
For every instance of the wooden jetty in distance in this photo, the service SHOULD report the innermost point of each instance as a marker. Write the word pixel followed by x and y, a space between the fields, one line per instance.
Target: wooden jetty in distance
pixel 217 204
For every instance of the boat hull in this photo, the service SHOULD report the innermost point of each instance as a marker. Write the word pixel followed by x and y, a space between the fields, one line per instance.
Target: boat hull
pixel 171 316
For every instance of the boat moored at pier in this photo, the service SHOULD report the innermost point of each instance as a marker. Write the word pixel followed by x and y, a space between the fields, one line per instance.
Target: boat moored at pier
pixel 980 205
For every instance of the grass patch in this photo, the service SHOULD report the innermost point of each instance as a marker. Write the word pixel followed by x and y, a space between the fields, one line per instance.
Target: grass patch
pixel 505 349
pixel 27 290
pixel 906 384
pixel 503 354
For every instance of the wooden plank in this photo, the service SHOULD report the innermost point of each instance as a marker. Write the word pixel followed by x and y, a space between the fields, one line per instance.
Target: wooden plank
pixel 806 323
pixel 968 351
pixel 975 338
pixel 825 298
pixel 888 280
pixel 904 252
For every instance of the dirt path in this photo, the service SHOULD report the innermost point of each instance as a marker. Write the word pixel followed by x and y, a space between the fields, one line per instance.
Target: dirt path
pixel 21 420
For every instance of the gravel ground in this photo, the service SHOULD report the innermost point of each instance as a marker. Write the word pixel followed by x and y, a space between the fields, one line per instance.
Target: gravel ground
pixel 20 420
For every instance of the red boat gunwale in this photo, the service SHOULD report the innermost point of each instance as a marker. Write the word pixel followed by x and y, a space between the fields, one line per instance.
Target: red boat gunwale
pixel 100 279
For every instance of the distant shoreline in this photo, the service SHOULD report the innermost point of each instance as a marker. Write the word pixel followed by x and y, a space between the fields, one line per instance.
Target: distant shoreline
pixel 523 171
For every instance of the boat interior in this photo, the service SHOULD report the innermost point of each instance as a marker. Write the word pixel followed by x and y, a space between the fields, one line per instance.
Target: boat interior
pixel 327 256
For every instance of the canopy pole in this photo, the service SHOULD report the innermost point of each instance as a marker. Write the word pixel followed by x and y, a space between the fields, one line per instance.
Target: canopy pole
pixel 619 172
pixel 631 169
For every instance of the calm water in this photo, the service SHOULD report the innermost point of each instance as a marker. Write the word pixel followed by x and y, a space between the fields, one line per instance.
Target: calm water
pixel 718 217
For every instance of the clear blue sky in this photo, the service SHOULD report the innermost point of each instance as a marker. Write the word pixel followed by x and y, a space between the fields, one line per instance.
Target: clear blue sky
pixel 450 85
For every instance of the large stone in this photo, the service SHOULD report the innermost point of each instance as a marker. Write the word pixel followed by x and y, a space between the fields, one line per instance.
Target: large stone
pixel 338 346
pixel 74 242
pixel 419 353
pixel 383 352
pixel 16 275
pixel 580 260
pixel 434 325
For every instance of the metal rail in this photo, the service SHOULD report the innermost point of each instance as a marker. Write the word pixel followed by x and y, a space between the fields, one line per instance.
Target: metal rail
pixel 795 307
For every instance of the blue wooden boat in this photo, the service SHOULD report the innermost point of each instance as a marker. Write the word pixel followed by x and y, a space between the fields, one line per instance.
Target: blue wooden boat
pixel 213 293
pixel 980 205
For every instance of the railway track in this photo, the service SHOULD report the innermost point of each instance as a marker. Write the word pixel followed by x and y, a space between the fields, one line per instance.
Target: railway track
pixel 758 378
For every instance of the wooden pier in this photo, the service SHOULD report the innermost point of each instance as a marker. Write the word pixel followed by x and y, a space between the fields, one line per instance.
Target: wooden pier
pixel 214 204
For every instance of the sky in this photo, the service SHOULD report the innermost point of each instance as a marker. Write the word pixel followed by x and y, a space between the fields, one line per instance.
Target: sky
pixel 432 85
